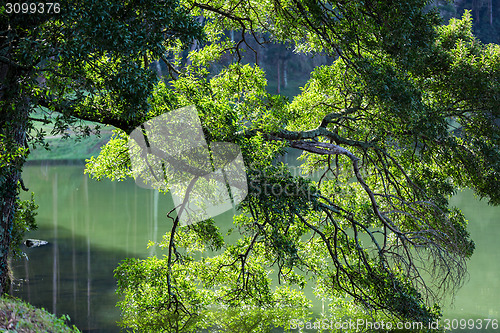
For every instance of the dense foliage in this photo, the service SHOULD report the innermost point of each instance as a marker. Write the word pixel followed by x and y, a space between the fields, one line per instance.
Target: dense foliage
pixel 89 60
pixel 391 130
pixel 485 14
pixel 404 116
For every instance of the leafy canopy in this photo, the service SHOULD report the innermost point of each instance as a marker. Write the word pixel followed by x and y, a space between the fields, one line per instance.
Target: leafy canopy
pixel 403 117
pixel 89 61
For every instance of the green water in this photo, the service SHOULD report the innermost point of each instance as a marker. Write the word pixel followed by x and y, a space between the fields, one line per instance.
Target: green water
pixel 91 226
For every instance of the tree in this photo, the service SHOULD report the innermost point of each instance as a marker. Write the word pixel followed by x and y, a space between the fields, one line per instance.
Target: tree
pixel 405 115
pixel 85 60
pixel 484 13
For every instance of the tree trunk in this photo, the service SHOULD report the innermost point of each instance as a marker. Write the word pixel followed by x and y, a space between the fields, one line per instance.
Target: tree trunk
pixel 475 8
pixel 279 78
pixel 13 125
pixel 285 73
pixel 490 9
pixel 158 68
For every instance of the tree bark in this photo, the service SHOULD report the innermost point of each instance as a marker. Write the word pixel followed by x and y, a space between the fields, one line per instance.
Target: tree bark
pixel 490 9
pixel 279 78
pixel 285 73
pixel 13 124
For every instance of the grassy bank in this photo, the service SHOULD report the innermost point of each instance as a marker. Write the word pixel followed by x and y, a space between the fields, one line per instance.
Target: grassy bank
pixel 20 317
pixel 70 148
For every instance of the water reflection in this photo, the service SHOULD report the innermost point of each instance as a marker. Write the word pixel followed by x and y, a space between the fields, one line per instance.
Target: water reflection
pixel 56 279
pixel 91 226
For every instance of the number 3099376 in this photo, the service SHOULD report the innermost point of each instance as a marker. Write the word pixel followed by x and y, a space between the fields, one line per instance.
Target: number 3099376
pixel 32 8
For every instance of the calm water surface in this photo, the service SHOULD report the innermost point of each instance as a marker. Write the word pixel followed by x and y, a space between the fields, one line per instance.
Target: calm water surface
pixel 92 226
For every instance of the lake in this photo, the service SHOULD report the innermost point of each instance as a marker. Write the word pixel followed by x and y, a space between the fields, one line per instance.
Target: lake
pixel 91 226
